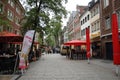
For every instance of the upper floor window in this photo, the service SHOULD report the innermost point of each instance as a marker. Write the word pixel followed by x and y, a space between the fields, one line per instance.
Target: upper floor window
pixel 17 20
pixel 85 19
pixel 96 1
pixel 83 32
pixel 107 23
pixel 11 2
pixel 1 28
pixel 106 3
pixel 88 17
pixel 81 23
pixel 18 10
pixel 1 7
pixel 10 15
pixel 98 25
pixel 119 19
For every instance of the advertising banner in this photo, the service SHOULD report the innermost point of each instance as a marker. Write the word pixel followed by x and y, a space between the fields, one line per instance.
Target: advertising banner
pixel 27 42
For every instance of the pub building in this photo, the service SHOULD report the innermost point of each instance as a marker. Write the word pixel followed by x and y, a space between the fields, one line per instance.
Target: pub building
pixel 106 10
pixel 11 12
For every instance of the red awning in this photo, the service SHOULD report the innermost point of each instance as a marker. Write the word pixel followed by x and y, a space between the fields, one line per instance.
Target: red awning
pixel 10 37
pixel 8 34
pixel 75 42
pixel 21 42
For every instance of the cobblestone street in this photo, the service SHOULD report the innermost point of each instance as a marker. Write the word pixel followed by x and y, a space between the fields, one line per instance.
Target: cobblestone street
pixel 57 67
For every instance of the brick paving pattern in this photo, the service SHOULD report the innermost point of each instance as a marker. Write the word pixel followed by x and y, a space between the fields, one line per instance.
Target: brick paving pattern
pixel 57 67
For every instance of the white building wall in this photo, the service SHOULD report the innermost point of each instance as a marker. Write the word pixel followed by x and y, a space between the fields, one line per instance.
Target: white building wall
pixel 85 24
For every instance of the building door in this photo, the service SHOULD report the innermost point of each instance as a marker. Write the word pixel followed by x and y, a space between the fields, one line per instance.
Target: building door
pixel 109 51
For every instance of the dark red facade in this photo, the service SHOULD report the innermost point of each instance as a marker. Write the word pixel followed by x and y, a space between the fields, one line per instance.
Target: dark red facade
pixel 7 7
pixel 106 27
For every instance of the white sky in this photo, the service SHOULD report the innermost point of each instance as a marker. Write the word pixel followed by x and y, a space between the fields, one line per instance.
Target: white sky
pixel 71 6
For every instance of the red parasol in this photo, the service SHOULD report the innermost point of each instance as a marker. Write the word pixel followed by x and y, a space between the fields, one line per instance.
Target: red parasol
pixel 75 42
pixel 10 37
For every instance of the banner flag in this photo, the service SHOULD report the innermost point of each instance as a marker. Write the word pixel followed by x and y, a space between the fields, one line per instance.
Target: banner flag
pixel 27 42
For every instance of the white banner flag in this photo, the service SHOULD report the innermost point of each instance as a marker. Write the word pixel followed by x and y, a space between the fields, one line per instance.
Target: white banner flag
pixel 27 42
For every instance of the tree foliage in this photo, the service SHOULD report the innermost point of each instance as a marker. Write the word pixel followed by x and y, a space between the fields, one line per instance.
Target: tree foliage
pixel 39 13
pixel 54 30
pixel 4 22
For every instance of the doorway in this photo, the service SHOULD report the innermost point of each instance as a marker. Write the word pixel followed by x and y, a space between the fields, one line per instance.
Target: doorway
pixel 109 51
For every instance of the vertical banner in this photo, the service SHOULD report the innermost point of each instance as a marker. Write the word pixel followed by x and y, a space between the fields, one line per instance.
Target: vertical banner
pixel 88 42
pixel 27 42
pixel 115 39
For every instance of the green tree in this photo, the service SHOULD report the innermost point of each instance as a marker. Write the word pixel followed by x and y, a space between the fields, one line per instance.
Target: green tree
pixel 4 22
pixel 38 14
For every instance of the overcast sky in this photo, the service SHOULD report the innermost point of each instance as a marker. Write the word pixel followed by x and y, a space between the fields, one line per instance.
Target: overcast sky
pixel 71 6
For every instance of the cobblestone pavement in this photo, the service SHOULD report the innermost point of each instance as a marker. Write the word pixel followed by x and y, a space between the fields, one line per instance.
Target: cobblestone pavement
pixel 57 67
pixel 5 77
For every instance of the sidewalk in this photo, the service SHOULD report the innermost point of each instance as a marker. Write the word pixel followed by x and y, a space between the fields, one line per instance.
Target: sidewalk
pixel 108 64
pixel 5 77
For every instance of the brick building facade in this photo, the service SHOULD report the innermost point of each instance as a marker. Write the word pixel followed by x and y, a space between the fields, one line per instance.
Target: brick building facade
pixel 107 8
pixel 11 11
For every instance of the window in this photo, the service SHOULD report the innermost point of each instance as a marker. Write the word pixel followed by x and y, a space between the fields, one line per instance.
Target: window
pixel 106 3
pixel 10 15
pixel 17 20
pixel 91 14
pixel 92 28
pixel 11 2
pixel 88 17
pixel 17 10
pixel 119 19
pixel 81 22
pixel 83 32
pixel 85 19
pixel 96 1
pixel 98 25
pixel 95 26
pixel 107 23
pixel 1 28
pixel 1 7
pixel 94 12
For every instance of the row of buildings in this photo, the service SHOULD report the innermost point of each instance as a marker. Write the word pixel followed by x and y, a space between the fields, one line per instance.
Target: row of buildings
pixel 98 16
pixel 11 13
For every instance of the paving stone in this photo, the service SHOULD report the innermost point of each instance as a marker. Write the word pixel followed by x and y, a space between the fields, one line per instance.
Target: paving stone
pixel 57 67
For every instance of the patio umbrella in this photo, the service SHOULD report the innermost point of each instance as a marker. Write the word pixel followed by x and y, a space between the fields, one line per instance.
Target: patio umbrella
pixel 10 37
pixel 75 42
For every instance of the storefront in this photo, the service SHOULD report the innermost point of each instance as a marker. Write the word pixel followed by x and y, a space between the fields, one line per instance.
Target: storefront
pixel 96 45
pixel 106 47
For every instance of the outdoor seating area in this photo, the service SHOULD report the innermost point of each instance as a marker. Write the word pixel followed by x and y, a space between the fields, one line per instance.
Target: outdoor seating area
pixel 8 64
pixel 77 49
pixel 79 54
